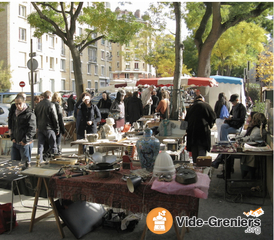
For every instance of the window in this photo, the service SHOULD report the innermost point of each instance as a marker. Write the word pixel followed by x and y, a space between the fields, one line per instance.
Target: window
pixel 22 59
pixel 127 55
pixel 103 41
pixel 135 75
pixel 63 84
pixel 118 54
pixel 63 49
pixel 41 61
pixel 73 85
pixel 92 54
pixel 102 70
pixel 126 75
pixel 136 57
pixel 89 68
pixel 52 85
pixel 89 84
pixel 127 66
pixel 22 11
pixel 51 63
pixel 63 65
pixel 39 44
pixel 96 69
pixel 79 31
pixel 136 66
pixel 22 34
pixel 51 42
pixel 102 55
pixel 127 45
pixel 72 68
pixel 118 75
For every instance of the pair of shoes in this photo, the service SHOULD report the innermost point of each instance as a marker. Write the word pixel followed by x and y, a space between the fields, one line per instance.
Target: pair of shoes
pixel 217 161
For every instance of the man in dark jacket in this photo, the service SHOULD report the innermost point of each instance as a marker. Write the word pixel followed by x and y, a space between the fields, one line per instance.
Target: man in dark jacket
pixel 200 118
pixel 235 123
pixel 70 103
pixel 47 124
pixel 22 131
pixel 134 108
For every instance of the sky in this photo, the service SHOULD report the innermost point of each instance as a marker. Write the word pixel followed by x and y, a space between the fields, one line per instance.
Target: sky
pixel 143 6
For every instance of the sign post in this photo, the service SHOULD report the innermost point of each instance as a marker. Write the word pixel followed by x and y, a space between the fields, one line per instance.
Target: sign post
pixel 32 65
pixel 22 84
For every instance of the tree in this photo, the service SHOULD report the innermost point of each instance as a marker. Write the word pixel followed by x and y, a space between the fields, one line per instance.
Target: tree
pixel 61 18
pixel 5 76
pixel 237 46
pixel 265 68
pixel 214 19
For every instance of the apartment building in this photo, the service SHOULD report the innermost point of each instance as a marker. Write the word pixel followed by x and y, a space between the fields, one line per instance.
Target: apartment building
pixel 101 62
pixel 126 65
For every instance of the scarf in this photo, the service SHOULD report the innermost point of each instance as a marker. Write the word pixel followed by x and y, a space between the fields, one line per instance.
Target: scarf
pixel 17 112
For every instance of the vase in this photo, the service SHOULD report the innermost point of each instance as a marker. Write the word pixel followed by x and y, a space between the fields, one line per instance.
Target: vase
pixel 148 148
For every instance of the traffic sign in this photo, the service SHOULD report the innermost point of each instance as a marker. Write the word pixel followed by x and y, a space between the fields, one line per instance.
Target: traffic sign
pixel 22 84
pixel 34 64
pixel 33 54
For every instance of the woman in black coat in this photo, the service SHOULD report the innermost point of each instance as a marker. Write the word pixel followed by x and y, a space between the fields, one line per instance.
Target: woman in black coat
pixel 134 108
pixel 222 100
pixel 200 118
pixel 90 116
pixel 104 105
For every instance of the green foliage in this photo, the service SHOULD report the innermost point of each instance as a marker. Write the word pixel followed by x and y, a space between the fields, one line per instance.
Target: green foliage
pixel 5 76
pixel 259 107
pixel 190 55
pixel 238 45
pixel 254 91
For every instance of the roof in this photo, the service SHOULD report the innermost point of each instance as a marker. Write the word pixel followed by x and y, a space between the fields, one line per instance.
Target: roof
pixel 227 79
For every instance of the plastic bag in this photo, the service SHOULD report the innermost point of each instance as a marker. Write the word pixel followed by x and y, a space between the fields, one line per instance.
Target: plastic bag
pixel 5 217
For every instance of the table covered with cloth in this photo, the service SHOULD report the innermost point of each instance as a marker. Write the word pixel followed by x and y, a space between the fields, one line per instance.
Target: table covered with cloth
pixel 113 191
pixel 198 189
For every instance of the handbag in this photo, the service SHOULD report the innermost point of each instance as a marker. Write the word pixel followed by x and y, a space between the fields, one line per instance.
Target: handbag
pixel 183 125
pixel 224 112
pixel 114 115
pixel 5 217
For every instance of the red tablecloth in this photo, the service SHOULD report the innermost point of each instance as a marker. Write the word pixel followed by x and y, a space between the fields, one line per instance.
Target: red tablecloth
pixel 3 130
pixel 113 192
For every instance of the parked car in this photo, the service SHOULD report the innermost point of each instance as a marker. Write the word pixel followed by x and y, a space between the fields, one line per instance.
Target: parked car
pixel 7 98
pixel 98 96
pixel 4 114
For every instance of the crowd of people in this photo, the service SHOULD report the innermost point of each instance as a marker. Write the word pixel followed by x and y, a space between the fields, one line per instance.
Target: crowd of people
pixel 47 123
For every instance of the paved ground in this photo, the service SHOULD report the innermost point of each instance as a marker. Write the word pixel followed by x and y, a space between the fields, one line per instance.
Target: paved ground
pixel 215 205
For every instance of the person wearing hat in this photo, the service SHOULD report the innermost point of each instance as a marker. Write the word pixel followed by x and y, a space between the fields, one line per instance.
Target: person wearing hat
pixel 235 122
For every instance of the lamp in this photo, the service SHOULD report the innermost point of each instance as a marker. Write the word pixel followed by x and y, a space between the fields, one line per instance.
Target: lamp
pixel 163 165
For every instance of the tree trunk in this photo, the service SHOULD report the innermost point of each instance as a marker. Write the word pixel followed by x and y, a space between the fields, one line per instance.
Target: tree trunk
pixel 178 63
pixel 77 70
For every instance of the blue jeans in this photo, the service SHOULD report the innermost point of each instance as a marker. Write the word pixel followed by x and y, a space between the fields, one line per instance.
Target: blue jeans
pixel 50 137
pixel 225 130
pixel 20 152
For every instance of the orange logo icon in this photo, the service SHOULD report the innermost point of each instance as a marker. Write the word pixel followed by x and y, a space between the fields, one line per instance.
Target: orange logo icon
pixel 159 220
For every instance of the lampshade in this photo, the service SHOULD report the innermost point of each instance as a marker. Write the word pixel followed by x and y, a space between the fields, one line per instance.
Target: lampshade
pixel 163 165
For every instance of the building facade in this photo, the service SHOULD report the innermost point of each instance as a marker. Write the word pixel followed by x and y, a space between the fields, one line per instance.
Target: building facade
pixel 101 62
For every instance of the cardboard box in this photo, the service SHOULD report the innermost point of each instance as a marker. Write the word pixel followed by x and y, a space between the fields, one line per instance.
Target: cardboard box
pixel 204 161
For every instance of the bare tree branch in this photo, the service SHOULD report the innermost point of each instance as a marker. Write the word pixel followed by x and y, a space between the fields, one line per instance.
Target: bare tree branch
pixel 90 42
pixel 74 16
pixel 200 31
pixel 58 32
pixel 64 16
